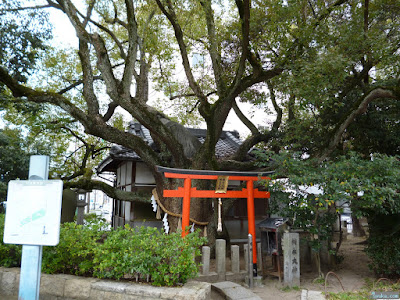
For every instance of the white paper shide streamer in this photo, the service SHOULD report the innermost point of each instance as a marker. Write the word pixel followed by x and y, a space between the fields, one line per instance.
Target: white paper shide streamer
pixel 165 224
pixel 154 203
pixel 219 228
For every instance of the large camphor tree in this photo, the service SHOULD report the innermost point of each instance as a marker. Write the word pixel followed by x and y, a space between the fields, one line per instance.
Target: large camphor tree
pixel 314 66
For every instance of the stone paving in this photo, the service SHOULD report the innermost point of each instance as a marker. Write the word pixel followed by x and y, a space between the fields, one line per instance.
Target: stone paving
pixel 233 291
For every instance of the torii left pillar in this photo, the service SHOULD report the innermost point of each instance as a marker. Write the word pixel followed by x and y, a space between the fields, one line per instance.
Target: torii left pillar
pixel 187 185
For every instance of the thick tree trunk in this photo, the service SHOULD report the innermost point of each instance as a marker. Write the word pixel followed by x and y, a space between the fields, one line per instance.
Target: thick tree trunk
pixel 200 209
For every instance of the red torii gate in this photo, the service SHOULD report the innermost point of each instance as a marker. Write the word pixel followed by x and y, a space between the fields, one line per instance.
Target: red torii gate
pixel 188 192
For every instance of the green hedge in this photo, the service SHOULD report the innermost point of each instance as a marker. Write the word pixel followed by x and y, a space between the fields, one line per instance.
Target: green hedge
pixel 10 255
pixel 384 252
pixel 384 245
pixel 74 253
pixel 138 254
pixel 146 252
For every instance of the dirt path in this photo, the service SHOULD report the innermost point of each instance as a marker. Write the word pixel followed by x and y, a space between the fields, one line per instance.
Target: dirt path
pixel 352 273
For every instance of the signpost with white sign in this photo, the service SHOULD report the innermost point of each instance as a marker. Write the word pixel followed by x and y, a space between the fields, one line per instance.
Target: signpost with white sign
pixel 33 219
pixel 33 212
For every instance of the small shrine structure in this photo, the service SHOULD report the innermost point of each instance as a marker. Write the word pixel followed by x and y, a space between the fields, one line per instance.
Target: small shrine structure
pixel 222 177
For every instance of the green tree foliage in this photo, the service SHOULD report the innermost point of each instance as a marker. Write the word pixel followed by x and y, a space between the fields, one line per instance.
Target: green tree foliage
pixel 317 65
pixel 343 58
pixel 14 162
pixel 313 194
pixel 22 38
pixel 377 130
pixel 369 184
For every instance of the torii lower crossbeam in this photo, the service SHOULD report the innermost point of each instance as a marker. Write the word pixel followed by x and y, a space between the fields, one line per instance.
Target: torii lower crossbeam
pixel 188 192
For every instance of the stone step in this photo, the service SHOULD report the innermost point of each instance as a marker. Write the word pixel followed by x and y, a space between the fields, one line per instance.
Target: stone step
pixel 234 291
pixel 312 295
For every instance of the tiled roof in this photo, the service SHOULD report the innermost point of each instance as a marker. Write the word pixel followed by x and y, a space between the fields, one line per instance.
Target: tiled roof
pixel 226 146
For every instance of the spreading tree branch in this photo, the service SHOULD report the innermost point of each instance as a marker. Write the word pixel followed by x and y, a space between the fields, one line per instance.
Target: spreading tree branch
pixel 360 108
pixel 253 129
pixel 105 67
pixel 244 14
pixel 169 12
pixel 279 112
pixel 19 90
pixel 89 12
pixel 111 34
pixel 114 193
pixel 26 8
pixel 256 136
pixel 214 46
pixel 132 49
pixel 93 124
pixel 110 111
pixel 189 95
pixel 75 84
pixel 88 80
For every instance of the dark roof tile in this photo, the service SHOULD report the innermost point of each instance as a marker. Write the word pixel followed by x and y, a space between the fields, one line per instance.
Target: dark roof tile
pixel 226 146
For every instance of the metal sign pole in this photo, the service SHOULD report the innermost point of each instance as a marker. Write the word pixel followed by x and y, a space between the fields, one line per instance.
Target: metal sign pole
pixel 31 261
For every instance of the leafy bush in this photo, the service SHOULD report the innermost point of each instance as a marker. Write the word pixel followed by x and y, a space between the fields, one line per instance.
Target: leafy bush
pixel 10 255
pixel 384 245
pixel 75 252
pixel 147 252
pixel 92 250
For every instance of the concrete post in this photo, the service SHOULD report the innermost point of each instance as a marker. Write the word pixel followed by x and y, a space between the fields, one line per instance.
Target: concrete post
pixel 81 209
pixel 205 259
pixel 220 258
pixel 259 258
pixel 235 259
pixel 246 256
pixel 250 270
pixel 31 260
pixel 291 259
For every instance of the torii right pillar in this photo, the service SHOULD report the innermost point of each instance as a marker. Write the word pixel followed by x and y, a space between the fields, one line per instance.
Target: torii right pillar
pixel 252 222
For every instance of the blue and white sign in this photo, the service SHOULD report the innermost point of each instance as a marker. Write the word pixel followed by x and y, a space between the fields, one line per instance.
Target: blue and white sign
pixel 33 212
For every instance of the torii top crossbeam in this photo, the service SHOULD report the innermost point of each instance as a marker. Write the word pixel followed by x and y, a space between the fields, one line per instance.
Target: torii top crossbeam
pixel 188 192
